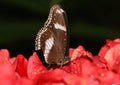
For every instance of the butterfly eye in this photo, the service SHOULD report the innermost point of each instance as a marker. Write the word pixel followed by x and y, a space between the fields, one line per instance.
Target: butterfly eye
pixel 60 61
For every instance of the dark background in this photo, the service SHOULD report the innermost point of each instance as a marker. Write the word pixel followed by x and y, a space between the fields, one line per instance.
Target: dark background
pixel 91 22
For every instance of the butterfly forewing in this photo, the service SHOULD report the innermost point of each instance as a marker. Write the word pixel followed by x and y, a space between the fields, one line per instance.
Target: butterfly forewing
pixel 52 39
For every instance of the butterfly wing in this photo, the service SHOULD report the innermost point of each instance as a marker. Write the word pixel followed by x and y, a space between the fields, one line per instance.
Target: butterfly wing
pixel 53 38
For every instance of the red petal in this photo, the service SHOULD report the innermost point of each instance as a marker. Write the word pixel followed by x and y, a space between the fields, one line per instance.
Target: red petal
pixel 13 60
pixel 71 52
pixel 112 58
pixel 21 68
pixel 80 66
pixel 109 54
pixel 24 81
pixel 109 44
pixel 79 52
pixel 58 77
pixel 35 67
pixel 98 63
pixel 109 78
pixel 4 56
pixel 7 75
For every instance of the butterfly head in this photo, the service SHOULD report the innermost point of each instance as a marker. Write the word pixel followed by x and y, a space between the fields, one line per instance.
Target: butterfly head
pixel 62 60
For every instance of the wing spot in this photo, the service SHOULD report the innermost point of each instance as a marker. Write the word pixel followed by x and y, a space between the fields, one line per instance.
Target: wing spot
pixel 54 14
pixel 48 46
pixel 65 40
pixel 60 11
pixel 58 26
pixel 50 26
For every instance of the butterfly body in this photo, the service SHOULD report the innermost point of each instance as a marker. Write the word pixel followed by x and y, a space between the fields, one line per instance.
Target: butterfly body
pixel 52 39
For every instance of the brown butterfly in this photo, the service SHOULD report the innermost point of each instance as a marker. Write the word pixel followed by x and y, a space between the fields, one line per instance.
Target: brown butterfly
pixel 52 39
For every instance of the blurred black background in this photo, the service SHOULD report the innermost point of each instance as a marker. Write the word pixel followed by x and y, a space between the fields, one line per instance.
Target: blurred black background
pixel 91 22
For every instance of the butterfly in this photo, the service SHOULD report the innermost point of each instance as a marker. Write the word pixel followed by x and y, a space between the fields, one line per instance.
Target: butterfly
pixel 53 39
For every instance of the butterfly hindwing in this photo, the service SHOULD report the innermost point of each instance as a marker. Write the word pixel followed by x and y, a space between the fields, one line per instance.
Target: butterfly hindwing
pixel 52 39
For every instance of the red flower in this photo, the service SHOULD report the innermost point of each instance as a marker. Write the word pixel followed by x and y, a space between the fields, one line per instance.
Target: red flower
pixel 21 68
pixel 79 52
pixel 8 74
pixel 35 67
pixel 110 54
pixel 58 77
pixel 83 69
